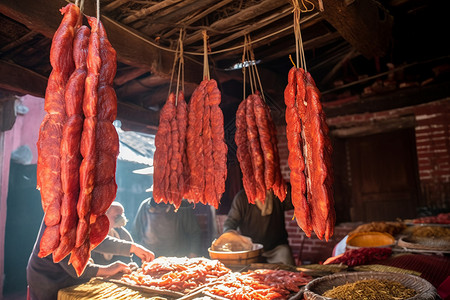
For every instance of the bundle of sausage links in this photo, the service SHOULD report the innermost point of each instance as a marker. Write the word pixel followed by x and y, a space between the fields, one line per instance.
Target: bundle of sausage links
pixel 191 163
pixel 257 150
pixel 309 156
pixel 78 144
pixel 170 168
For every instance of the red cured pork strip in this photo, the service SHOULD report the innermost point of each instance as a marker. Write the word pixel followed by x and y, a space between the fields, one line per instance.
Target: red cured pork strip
pixel 106 138
pixel 174 195
pixel 279 187
pixel 51 130
pixel 182 121
pixel 70 145
pixel 161 157
pixel 265 140
pixel 255 150
pixel 243 154
pixel 209 192
pixel 194 144
pixel 98 231
pixel 319 162
pixel 88 139
pixel 295 158
pixel 220 148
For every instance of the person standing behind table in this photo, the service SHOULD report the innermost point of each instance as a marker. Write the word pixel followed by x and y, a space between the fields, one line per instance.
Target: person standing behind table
pixel 166 231
pixel 45 278
pixel 117 222
pixel 263 223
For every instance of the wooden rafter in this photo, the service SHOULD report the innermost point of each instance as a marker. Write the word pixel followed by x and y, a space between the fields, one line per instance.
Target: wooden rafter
pixel 132 47
pixel 172 15
pixel 366 25
pixel 13 77
pixel 149 10
pixel 238 18
pixel 191 19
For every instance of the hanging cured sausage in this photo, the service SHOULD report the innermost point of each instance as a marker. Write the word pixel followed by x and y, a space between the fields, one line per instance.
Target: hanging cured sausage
pixel 309 155
pixel 77 183
pixel 51 130
pixel 170 176
pixel 206 148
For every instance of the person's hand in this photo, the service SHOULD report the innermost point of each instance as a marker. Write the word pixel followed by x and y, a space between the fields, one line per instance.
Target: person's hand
pixel 143 253
pixel 113 269
pixel 133 266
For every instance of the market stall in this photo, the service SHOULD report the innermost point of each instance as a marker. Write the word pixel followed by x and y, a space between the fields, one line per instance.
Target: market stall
pixel 78 146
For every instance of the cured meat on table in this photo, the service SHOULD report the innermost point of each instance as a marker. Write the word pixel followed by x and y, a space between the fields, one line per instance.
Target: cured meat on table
pixel 309 155
pixel 77 183
pixel 257 150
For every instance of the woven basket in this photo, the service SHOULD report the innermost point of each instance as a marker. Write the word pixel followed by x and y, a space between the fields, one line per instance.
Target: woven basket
pixel 317 287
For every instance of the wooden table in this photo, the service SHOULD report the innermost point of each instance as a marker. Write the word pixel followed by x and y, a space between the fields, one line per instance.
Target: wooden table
pixel 97 288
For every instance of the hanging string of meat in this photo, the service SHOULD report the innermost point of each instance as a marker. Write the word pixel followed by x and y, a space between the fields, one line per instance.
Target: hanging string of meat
pixel 296 160
pixel 219 147
pixel 206 147
pixel 70 145
pixel 194 146
pixel 309 155
pixel 257 150
pixel 80 255
pixel 319 168
pixel 78 183
pixel 243 153
pixel 51 130
pixel 170 141
pixel 106 138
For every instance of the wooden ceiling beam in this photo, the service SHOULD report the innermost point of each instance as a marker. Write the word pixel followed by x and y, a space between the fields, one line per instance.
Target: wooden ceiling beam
pixel 127 74
pixel 132 47
pixel 188 20
pixel 21 80
pixel 149 10
pixel 307 45
pixel 275 32
pixel 366 25
pixel 167 19
pixel 253 27
pixel 238 18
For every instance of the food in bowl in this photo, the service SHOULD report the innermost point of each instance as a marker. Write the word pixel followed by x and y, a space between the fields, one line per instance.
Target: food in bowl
pixel 370 240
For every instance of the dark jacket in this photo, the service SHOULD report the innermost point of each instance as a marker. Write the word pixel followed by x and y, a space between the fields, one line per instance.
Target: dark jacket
pixel 166 231
pixel 105 258
pixel 270 231
pixel 45 277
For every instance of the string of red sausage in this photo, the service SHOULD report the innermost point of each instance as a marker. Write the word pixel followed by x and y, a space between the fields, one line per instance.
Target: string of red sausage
pixel 77 183
pixel 309 156
pixel 190 159
pixel 257 150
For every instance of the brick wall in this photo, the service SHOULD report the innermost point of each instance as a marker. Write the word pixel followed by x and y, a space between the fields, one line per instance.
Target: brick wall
pixel 433 150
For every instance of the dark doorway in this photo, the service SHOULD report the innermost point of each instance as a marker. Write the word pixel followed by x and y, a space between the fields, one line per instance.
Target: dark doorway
pixel 384 176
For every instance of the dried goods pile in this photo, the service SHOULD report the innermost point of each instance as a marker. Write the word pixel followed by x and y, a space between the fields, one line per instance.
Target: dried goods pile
pixel 371 289
pixel 257 150
pixel 259 284
pixel 78 144
pixel 309 156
